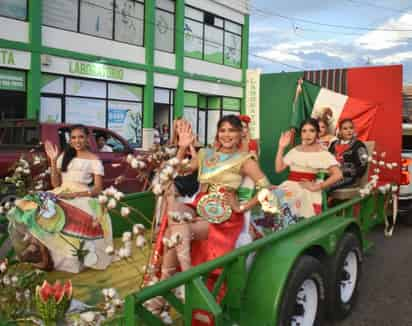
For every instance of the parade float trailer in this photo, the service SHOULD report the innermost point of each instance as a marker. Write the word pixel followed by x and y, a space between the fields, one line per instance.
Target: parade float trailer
pixel 296 276
pixel 313 268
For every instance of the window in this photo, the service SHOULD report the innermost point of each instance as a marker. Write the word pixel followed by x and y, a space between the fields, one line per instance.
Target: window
pixel 165 25
pixel 212 38
pixel 120 20
pixel 14 9
pixel 12 94
pixel 204 112
pixel 116 106
pixel 163 113
pixel 113 143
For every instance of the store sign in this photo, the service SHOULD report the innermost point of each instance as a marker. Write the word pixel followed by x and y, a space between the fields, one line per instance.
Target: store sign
pixel 252 100
pixel 14 59
pixel 12 80
pixel 95 70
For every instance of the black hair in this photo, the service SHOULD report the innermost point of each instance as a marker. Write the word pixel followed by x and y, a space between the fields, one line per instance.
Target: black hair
pixel 234 121
pixel 70 153
pixel 101 134
pixel 310 121
pixel 344 121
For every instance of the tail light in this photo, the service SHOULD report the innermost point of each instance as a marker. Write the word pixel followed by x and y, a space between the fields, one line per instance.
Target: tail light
pixel 405 179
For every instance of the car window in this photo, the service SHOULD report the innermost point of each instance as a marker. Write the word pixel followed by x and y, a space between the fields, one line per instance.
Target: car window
pixel 108 142
pixel 20 136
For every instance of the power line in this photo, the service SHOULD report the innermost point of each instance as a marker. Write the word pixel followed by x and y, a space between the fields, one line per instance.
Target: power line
pixel 370 4
pixel 308 21
pixel 276 61
pixel 304 29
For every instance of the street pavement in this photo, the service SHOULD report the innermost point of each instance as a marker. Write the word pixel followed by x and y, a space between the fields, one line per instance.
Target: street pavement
pixel 385 297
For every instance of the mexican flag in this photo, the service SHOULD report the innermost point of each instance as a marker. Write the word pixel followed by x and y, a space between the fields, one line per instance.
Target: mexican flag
pixel 318 102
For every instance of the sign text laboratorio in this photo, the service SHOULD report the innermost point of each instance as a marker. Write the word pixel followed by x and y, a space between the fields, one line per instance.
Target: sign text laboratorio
pixel 96 70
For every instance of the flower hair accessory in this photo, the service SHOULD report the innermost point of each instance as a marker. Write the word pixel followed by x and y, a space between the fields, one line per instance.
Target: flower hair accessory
pixel 245 118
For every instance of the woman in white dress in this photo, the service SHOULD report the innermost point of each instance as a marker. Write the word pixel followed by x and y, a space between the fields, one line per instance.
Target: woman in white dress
pixel 67 223
pixel 302 191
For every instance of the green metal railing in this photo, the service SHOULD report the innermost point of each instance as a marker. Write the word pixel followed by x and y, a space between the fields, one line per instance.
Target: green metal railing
pixel 234 273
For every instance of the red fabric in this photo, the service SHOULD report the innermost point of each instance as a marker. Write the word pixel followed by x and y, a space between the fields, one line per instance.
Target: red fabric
pixel 80 224
pixel 221 237
pixel 301 176
pixel 245 118
pixel 382 85
pixel 253 145
pixel 317 208
pixel 339 150
pixel 363 115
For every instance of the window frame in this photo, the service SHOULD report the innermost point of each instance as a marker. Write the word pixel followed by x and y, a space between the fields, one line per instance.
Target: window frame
pixel 113 32
pixel 173 28
pixel 107 99
pixel 20 19
pixel 224 33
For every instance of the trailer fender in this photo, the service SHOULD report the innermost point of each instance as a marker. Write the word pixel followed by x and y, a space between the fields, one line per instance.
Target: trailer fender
pixel 273 264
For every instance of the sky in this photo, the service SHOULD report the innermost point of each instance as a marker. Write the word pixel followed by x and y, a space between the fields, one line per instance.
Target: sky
pixel 296 35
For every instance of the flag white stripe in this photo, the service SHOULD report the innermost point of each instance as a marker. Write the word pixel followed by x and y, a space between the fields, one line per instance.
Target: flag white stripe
pixel 329 99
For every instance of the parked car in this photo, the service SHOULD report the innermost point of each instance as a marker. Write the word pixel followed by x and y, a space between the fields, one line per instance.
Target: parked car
pixel 405 190
pixel 20 136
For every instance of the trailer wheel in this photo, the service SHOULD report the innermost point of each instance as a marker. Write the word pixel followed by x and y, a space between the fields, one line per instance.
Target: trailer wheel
pixel 303 300
pixel 345 274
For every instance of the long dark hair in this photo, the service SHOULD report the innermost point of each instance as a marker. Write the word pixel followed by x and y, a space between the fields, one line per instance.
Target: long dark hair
pixel 312 122
pixel 69 152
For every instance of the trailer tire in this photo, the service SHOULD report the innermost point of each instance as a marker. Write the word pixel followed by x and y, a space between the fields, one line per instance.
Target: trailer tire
pixel 303 300
pixel 345 271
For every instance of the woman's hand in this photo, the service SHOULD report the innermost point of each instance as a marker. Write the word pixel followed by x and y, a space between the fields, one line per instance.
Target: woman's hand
pixel 311 186
pixel 231 200
pixel 285 139
pixel 186 138
pixel 51 151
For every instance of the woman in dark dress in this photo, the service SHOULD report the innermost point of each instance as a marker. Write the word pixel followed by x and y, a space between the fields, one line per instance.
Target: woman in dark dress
pixel 351 153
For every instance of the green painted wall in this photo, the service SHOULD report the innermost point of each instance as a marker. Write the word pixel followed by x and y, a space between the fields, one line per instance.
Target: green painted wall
pixel 36 49
pixel 277 92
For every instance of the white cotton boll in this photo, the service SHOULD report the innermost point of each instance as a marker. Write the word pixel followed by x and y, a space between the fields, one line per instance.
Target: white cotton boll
pixel 157 190
pixel 168 170
pixel 112 203
pixel 141 165
pixel 374 153
pixel 134 164
pixel 166 242
pixel 374 162
pixel 138 229
pixel 102 199
pixel 109 250
pixel 164 177
pixel 124 211
pixel 3 267
pixel 173 161
pixel 375 177
pixel 118 195
pixel 394 164
pixel 14 279
pixel 6 280
pixel 367 191
pixel 263 195
pixel 370 158
pixel 111 312
pixel 140 241
pixel 118 302
pixel 128 245
pixel 382 189
pixel 127 252
pixel 129 158
pixel 395 188
pixel 381 163
pixel 27 294
pixel 175 216
pixel 376 170
pixel 7 205
pixel 88 316
pixel 127 236
pixel 122 252
pixel 105 292
pixel 383 154
pixel 389 166
pixel 166 319
pixel 388 186
pixel 19 169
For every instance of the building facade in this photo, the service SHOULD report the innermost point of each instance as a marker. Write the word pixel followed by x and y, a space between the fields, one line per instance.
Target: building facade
pixel 127 65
